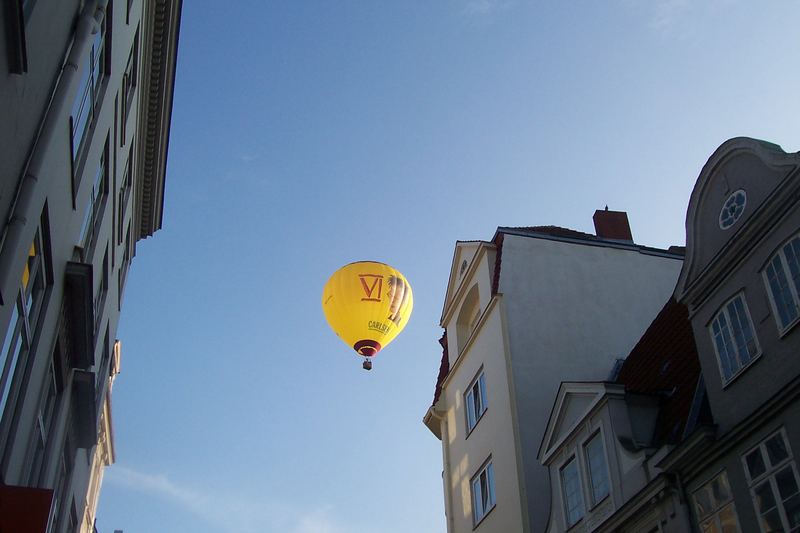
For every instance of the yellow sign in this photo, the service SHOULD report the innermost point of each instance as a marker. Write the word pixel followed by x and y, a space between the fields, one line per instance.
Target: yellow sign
pixel 367 304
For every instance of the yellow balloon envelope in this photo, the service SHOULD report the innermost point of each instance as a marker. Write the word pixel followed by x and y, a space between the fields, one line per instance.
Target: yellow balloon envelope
pixel 367 304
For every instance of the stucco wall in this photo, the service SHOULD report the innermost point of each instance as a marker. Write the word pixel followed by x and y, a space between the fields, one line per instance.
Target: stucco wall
pixel 572 310
pixel 493 435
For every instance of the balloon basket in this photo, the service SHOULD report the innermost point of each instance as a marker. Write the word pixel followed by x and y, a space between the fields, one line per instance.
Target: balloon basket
pixel 367 364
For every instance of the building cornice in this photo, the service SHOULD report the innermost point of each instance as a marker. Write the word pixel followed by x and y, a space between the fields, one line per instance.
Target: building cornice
pixel 161 24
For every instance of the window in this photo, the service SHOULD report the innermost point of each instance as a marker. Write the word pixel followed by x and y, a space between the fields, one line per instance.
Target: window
pixel 102 291
pixel 772 474
pixel 782 276
pixel 475 400
pixel 87 101
pixel 596 465
pixel 129 80
pixel 483 492
pixel 51 394
pixel 572 492
pixel 24 317
pixel 93 216
pixel 124 191
pixel 713 504
pixel 734 340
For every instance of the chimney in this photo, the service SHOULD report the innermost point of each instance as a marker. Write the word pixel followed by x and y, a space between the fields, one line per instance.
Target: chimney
pixel 612 225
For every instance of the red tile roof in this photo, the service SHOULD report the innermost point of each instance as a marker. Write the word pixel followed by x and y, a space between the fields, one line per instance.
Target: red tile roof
pixel 665 362
pixel 444 369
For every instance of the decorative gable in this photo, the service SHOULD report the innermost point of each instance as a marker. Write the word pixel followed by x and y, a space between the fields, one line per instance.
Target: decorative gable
pixel 742 181
pixel 464 257
pixel 574 402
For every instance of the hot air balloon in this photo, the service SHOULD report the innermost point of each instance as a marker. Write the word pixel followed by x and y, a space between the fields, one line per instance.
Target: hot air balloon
pixel 367 304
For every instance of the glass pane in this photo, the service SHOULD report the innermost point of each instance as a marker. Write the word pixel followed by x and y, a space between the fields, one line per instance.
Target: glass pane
pixel 781 294
pixel 723 343
pixel 709 526
pixel 476 500
pixel 792 253
pixel 484 402
pixel 8 373
pixel 771 522
pixel 776 449
pixel 720 490
pixel 727 519
pixel 470 411
pixel 787 485
pixel 742 331
pixel 792 508
pixel 702 501
pixel 764 498
pixel 490 477
pixel 755 463
pixel 597 468
pixel 573 498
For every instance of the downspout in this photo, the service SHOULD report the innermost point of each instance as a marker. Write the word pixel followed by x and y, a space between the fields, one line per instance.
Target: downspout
pixel 88 24
pixel 448 492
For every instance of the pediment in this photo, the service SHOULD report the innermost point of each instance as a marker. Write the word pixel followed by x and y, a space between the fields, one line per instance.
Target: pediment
pixel 574 402
pixel 465 254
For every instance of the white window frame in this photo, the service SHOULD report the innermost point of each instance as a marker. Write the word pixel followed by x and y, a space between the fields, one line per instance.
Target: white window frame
pixel 717 511
pixel 479 508
pixel 573 458
pixel 472 411
pixel 723 311
pixel 594 500
pixel 768 476
pixel 794 288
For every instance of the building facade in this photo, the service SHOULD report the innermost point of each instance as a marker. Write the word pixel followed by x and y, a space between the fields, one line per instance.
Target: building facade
pixel 86 100
pixel 700 430
pixel 507 306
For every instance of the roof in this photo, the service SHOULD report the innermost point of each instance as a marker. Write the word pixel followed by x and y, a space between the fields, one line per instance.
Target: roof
pixel 444 369
pixel 665 362
pixel 553 231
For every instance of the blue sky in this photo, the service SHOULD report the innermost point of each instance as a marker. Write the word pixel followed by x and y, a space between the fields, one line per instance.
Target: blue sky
pixel 306 135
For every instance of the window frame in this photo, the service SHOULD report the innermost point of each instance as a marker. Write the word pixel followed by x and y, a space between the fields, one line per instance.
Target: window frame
pixel 769 474
pixel 794 288
pixel 594 502
pixel 95 210
pixel 715 513
pixel 90 94
pixel 23 331
pixel 487 467
pixel 480 381
pixel 723 309
pixel 572 458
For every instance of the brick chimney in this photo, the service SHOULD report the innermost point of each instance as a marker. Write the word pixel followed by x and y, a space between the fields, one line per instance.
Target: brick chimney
pixel 612 225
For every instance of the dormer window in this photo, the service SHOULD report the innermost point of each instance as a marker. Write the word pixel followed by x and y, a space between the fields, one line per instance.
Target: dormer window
pixel 782 277
pixel 734 339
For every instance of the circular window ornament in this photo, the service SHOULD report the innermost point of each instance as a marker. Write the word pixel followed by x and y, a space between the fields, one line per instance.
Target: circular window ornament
pixel 733 209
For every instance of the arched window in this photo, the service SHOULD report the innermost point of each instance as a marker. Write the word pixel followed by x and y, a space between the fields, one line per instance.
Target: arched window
pixel 468 316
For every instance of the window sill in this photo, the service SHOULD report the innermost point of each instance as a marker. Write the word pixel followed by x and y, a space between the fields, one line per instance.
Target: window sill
pixel 738 373
pixel 487 513
pixel 598 503
pixel 784 331
pixel 470 430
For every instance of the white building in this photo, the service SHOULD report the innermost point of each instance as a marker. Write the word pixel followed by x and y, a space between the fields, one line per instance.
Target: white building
pixel 523 312
pixel 86 103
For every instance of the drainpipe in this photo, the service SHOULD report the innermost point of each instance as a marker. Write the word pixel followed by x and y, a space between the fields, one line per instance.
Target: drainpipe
pixel 23 210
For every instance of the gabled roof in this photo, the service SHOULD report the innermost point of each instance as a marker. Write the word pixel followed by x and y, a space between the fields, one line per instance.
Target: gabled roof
pixel 665 362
